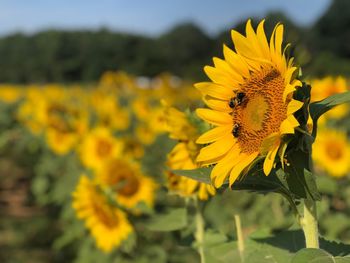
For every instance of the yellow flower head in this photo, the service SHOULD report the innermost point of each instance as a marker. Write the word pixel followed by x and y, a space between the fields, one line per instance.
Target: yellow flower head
pixel 98 146
pixel 10 94
pixel 108 225
pixel 60 142
pixel 144 133
pixel 133 148
pixel 323 88
pixel 331 152
pixel 251 104
pixel 183 155
pixel 108 111
pixel 130 185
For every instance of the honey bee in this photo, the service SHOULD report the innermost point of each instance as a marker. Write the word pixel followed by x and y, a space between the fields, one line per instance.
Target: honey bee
pixel 235 130
pixel 236 100
pixel 232 103
pixel 240 97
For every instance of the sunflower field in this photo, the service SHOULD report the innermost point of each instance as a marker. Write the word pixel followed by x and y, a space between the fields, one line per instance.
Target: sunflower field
pixel 250 165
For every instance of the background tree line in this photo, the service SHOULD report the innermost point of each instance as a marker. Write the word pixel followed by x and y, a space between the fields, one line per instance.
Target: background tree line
pixel 69 56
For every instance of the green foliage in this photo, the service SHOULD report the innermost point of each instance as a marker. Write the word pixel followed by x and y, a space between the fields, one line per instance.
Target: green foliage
pixel 282 247
pixel 174 219
pixel 320 107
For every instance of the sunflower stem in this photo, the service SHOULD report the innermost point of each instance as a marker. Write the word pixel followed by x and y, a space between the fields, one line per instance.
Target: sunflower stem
pixel 199 235
pixel 309 223
pixel 239 232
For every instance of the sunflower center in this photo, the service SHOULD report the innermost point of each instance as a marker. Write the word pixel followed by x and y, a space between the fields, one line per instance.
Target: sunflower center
pixel 129 185
pixel 104 148
pixel 262 109
pixel 123 178
pixel 254 113
pixel 105 214
pixel 334 151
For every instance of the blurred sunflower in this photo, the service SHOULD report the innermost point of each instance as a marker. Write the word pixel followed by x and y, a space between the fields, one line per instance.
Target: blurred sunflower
pixel 323 88
pixel 183 155
pixel 132 148
pixel 130 185
pixel 10 93
pixel 108 111
pixel 108 225
pixel 331 152
pixel 98 146
pixel 251 101
pixel 144 133
pixel 61 142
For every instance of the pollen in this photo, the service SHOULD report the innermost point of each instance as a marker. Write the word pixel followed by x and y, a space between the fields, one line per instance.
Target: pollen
pixel 262 110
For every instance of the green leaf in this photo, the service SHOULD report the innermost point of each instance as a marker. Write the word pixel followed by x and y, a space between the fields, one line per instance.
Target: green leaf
pixel 174 219
pixel 301 181
pixel 320 107
pixel 342 259
pixel 222 253
pixel 212 237
pixel 293 241
pixel 201 174
pixel 326 184
pixel 312 255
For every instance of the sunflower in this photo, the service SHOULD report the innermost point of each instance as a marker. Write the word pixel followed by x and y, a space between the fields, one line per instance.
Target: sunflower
pixel 130 185
pixel 98 146
pixel 183 155
pixel 108 111
pixel 251 101
pixel 10 94
pixel 108 225
pixel 60 142
pixel 323 88
pixel 331 152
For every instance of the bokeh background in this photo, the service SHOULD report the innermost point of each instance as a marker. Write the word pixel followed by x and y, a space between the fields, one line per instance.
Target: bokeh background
pixel 47 41
pixel 74 59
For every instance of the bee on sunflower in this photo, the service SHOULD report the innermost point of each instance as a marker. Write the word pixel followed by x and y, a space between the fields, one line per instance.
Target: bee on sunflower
pixel 251 104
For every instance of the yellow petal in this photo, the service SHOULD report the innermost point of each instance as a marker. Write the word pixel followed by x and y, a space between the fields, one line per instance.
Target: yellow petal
pixel 262 39
pixel 281 153
pixel 220 77
pixel 269 142
pixel 241 45
pixel 288 89
pixel 244 162
pixel 269 160
pixel 214 117
pixel 223 168
pixel 278 40
pixel 288 75
pixel 223 66
pixel 253 40
pixel 218 105
pixel 216 149
pixel 293 106
pixel 214 90
pixel 288 125
pixel 214 134
pixel 236 62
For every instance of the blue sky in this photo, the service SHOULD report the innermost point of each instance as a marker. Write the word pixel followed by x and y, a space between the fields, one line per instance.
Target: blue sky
pixel 150 17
